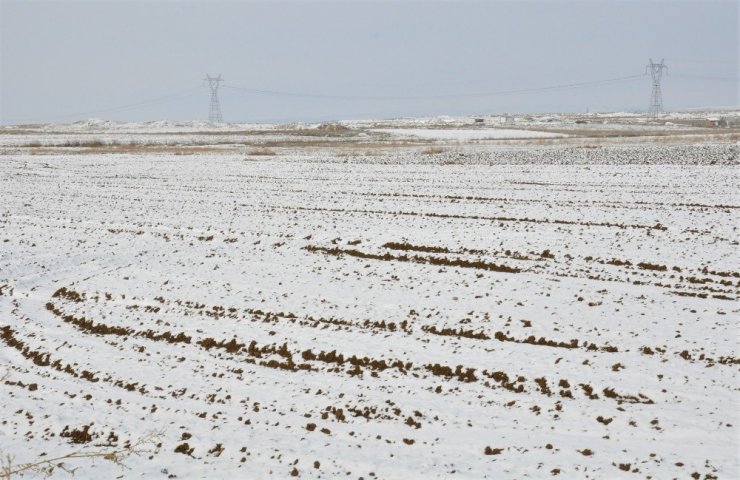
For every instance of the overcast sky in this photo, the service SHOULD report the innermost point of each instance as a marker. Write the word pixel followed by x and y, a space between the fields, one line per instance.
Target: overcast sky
pixel 145 60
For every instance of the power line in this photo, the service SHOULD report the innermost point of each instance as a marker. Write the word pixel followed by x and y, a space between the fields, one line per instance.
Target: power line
pixel 163 99
pixel 568 86
pixel 704 77
pixel 215 107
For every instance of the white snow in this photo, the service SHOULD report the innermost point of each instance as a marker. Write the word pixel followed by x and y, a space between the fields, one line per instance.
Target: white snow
pixel 467 134
pixel 630 250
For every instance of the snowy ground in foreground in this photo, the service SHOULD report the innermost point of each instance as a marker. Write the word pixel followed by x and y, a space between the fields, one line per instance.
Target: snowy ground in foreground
pixel 592 311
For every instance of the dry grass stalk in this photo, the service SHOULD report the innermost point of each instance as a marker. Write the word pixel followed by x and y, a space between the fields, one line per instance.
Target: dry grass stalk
pixel 49 466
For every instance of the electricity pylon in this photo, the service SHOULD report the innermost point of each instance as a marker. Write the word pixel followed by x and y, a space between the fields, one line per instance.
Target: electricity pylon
pixel 656 96
pixel 214 114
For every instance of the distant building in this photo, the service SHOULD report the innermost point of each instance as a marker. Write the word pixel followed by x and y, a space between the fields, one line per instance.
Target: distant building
pixel 728 122
pixel 711 122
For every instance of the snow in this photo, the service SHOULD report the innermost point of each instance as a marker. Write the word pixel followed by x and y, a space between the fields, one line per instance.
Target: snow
pixel 467 134
pixel 630 249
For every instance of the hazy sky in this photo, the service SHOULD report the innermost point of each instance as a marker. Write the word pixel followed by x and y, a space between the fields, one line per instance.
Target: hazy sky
pixel 65 60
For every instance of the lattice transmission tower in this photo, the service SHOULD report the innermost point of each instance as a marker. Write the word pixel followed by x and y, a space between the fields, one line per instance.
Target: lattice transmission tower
pixel 656 96
pixel 214 114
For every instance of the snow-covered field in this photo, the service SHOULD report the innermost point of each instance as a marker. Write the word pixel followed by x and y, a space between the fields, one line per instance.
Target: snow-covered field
pixel 467 134
pixel 508 314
